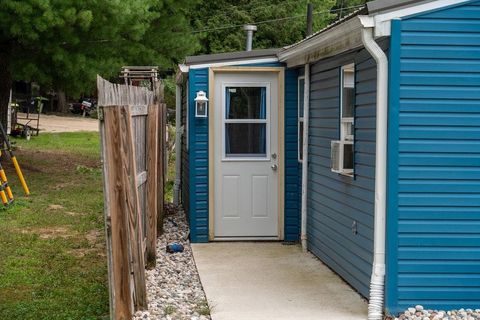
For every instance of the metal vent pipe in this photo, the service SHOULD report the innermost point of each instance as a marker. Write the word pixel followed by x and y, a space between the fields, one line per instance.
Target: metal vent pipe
pixel 250 29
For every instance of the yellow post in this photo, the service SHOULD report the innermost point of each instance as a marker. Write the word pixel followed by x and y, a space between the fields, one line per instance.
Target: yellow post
pixel 20 175
pixel 9 193
pixel 3 197
pixel 3 177
pixel 14 160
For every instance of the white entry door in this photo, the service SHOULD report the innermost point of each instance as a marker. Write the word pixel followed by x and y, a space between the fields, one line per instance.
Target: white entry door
pixel 246 156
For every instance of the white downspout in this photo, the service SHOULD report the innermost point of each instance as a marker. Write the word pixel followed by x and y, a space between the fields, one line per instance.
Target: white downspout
pixel 377 284
pixel 178 144
pixel 306 112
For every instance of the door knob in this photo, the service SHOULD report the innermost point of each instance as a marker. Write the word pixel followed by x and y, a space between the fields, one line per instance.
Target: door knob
pixel 274 167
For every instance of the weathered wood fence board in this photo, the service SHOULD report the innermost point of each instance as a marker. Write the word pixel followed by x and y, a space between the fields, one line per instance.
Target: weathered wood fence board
pixel 138 115
pixel 118 227
pixel 134 212
pixel 108 228
pixel 162 118
pixel 132 135
pixel 152 200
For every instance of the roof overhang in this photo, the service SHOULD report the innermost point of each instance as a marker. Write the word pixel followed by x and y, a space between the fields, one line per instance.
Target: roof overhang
pixel 347 35
pixel 340 38
pixel 384 5
pixel 232 58
pixel 233 63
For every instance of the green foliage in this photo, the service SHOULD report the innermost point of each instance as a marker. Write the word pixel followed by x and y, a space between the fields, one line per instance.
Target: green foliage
pixel 203 308
pixel 271 34
pixel 170 310
pixel 63 44
pixel 170 98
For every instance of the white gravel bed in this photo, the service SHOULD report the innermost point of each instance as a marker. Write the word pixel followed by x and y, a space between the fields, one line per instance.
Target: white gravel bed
pixel 419 313
pixel 174 290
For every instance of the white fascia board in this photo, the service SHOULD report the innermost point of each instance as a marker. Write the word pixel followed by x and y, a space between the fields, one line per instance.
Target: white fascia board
pixel 340 38
pixel 383 20
pixel 233 63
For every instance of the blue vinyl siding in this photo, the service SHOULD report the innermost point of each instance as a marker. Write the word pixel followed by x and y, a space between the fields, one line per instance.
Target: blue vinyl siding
pixel 336 201
pixel 198 158
pixel 434 160
pixel 292 187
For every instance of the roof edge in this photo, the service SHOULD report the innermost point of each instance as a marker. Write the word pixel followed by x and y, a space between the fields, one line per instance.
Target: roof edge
pixel 384 5
pixel 336 39
pixel 231 56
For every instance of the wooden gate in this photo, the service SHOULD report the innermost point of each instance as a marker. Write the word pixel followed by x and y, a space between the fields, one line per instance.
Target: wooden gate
pixel 132 122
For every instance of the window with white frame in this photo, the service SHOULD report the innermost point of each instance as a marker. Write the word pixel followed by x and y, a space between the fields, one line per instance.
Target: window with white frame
pixel 301 105
pixel 246 122
pixel 343 149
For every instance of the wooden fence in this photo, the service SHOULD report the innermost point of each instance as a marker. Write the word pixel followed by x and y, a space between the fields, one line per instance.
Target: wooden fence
pixel 132 131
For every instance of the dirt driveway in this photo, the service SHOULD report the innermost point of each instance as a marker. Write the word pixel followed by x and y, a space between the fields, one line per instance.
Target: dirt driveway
pixel 52 123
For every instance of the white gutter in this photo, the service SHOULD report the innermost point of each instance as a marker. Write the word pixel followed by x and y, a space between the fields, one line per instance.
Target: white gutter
pixel 377 282
pixel 306 112
pixel 178 144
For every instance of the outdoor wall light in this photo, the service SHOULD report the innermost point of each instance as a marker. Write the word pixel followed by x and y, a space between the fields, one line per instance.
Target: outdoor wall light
pixel 201 105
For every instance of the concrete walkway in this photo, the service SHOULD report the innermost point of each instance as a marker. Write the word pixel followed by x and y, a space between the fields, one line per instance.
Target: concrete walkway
pixel 247 280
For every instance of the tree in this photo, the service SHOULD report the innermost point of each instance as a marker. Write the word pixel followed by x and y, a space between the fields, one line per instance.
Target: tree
pixel 280 22
pixel 63 44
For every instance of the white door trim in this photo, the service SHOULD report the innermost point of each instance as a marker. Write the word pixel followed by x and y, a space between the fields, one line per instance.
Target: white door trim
pixel 281 142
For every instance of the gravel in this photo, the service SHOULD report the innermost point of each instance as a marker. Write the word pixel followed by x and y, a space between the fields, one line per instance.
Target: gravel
pixel 174 290
pixel 419 313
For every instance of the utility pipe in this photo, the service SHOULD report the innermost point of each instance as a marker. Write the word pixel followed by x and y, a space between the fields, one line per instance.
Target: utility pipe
pixel 309 19
pixel 306 113
pixel 377 283
pixel 178 144
pixel 250 29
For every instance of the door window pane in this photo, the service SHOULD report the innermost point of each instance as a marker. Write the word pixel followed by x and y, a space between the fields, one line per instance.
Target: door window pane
pixel 245 103
pixel 245 140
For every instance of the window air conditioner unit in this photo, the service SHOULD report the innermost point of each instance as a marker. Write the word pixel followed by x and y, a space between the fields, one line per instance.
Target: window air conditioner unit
pixel 342 157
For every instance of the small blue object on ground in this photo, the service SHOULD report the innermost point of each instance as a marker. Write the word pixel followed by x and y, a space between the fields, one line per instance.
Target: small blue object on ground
pixel 174 247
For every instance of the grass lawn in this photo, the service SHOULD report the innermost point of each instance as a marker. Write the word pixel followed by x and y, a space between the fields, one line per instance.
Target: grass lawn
pixel 52 250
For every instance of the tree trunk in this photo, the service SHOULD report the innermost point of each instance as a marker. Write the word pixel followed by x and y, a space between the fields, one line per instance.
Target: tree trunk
pixel 5 81
pixel 62 102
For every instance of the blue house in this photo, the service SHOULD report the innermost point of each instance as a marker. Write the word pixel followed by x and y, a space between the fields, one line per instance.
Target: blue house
pixel 384 106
